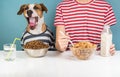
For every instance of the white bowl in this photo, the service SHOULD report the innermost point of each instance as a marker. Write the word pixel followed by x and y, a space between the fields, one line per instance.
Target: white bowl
pixel 36 52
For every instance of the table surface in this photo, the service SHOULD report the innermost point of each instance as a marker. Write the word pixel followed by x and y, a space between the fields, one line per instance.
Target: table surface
pixel 56 64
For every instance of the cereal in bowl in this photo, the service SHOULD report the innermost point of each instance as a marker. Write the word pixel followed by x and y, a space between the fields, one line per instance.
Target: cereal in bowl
pixel 83 49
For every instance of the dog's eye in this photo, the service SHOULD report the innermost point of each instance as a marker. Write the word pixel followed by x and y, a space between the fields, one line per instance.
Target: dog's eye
pixel 26 8
pixel 36 8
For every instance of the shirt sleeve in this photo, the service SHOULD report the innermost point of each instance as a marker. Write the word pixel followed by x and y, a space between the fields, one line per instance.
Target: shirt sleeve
pixel 110 17
pixel 59 16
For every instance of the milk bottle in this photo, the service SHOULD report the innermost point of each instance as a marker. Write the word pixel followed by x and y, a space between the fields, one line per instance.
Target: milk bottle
pixel 106 41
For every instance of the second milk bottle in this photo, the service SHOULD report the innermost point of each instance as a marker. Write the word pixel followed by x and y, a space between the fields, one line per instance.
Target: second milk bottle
pixel 106 41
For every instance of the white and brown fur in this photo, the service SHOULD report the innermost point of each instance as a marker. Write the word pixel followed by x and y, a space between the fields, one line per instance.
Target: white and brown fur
pixel 34 11
pixel 37 11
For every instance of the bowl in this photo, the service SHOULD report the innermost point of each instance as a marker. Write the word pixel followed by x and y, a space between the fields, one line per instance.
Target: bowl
pixel 82 54
pixel 36 52
pixel 83 50
pixel 36 48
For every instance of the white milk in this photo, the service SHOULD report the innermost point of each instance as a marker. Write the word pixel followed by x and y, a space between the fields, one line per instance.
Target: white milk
pixel 106 41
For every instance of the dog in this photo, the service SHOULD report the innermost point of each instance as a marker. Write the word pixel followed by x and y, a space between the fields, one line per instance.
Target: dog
pixel 36 28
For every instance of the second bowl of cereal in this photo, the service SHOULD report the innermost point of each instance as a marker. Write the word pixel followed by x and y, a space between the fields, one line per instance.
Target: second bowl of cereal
pixel 36 48
pixel 83 50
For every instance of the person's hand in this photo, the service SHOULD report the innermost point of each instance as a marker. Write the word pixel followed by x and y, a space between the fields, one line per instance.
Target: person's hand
pixel 62 42
pixel 112 49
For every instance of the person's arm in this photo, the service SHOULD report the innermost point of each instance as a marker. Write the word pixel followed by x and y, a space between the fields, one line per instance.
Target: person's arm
pixel 110 19
pixel 61 40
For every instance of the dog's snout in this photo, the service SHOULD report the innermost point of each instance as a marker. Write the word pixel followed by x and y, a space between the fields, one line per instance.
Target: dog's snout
pixel 29 12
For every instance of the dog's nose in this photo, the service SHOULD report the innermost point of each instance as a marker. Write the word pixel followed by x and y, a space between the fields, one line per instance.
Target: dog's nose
pixel 29 12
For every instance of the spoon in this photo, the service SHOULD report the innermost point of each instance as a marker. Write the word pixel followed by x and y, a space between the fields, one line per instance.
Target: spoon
pixel 68 39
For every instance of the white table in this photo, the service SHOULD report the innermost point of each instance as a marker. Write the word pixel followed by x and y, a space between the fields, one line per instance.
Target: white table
pixel 56 64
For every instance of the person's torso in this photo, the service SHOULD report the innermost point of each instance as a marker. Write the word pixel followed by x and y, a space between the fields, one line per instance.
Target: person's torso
pixel 84 21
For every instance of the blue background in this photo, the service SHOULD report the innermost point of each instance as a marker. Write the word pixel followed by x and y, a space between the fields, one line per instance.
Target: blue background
pixel 13 25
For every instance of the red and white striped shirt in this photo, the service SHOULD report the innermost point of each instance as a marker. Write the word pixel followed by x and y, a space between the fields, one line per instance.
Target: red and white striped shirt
pixel 84 21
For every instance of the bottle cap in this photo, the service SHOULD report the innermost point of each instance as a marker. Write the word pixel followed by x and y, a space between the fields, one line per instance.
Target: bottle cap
pixel 106 26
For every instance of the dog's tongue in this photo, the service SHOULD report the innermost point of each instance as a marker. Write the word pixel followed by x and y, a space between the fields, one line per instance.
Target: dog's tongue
pixel 32 21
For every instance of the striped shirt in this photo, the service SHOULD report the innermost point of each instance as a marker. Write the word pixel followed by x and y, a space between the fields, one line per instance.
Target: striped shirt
pixel 84 21
pixel 46 37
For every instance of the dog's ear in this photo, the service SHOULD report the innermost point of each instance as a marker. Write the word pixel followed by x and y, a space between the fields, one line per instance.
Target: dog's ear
pixel 44 7
pixel 21 9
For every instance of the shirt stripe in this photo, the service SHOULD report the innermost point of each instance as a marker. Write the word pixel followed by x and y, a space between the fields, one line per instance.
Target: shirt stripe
pixel 84 21
pixel 46 37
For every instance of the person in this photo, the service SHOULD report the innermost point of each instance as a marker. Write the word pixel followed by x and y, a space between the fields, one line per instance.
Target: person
pixel 82 20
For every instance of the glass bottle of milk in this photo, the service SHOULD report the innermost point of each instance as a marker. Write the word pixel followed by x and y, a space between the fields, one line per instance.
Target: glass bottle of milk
pixel 106 41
